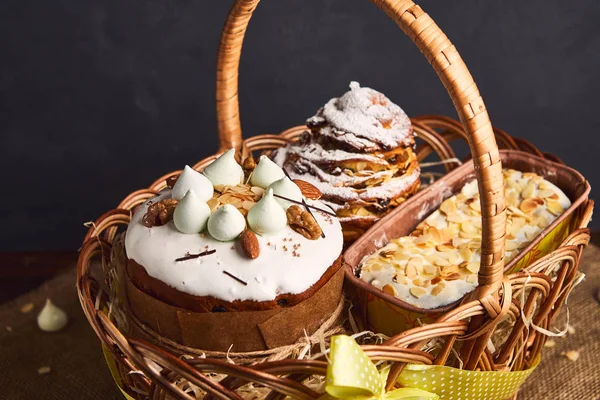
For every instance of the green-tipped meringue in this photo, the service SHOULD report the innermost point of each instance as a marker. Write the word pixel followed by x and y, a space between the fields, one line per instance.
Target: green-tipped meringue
pixel 286 188
pixel 190 179
pixel 226 223
pixel 225 170
pixel 191 214
pixel 266 172
pixel 267 217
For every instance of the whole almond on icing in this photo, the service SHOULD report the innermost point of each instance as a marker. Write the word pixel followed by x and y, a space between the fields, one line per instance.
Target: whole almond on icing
pixel 308 190
pixel 249 244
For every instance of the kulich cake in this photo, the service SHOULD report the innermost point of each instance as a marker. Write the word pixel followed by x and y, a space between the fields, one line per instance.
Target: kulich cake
pixel 237 242
pixel 438 263
pixel 359 154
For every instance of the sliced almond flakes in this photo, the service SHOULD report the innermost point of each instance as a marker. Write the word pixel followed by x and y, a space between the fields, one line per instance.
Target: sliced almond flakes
pixel 417 292
pixel 438 289
pixel 389 289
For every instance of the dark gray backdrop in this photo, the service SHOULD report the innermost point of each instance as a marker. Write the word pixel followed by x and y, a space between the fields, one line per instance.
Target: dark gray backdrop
pixel 100 97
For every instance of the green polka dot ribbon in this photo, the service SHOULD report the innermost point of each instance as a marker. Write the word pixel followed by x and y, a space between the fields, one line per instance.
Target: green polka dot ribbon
pixel 352 375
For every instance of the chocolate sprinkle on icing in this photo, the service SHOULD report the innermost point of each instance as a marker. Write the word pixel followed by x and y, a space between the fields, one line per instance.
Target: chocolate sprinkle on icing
pixel 303 203
pixel 192 256
pixel 229 274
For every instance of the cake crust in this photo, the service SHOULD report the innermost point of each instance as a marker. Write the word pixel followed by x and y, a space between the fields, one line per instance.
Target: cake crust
pixel 238 331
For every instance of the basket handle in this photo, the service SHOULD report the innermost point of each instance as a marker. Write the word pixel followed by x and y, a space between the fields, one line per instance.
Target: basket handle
pixel 455 76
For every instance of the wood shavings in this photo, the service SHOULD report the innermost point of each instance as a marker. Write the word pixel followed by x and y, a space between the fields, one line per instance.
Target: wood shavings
pixel 44 370
pixel 27 308
pixel 572 355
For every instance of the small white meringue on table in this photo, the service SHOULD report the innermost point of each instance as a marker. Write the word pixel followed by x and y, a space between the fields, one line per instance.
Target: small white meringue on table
pixel 51 318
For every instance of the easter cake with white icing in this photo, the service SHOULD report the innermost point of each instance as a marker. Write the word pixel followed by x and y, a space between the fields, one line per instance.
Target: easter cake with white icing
pixel 233 239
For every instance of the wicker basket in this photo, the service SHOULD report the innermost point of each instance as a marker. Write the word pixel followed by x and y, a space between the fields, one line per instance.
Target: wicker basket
pixel 160 373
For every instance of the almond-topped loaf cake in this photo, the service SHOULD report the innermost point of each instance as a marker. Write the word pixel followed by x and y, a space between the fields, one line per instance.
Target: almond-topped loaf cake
pixel 438 263
pixel 359 154
pixel 233 240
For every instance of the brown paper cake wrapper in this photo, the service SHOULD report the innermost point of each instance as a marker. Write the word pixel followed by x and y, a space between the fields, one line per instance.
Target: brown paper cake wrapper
pixel 387 314
pixel 241 331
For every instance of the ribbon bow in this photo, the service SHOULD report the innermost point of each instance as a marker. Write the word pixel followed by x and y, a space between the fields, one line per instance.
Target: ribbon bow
pixel 351 375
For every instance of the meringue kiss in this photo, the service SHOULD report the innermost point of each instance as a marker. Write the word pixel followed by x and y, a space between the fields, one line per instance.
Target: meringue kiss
pixel 286 188
pixel 226 223
pixel 191 214
pixel 51 318
pixel 267 217
pixel 190 179
pixel 266 172
pixel 225 170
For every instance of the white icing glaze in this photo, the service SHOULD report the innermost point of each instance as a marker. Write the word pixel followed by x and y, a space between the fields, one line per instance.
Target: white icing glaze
pixel 266 172
pixel 225 170
pixel 267 217
pixel 286 188
pixel 191 179
pixel 226 223
pixel 521 230
pixel 276 271
pixel 191 214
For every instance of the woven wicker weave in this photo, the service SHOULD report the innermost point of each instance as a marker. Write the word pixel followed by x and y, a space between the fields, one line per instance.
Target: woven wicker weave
pixel 474 321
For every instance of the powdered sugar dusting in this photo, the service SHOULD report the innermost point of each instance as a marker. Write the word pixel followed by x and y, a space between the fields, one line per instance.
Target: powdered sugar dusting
pixel 315 152
pixel 388 189
pixel 359 153
pixel 368 114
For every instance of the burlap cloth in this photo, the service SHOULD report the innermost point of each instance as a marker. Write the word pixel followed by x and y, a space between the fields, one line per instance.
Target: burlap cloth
pixel 78 371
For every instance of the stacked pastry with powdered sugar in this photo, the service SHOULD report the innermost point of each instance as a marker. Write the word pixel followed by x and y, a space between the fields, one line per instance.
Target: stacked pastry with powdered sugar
pixel 359 154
